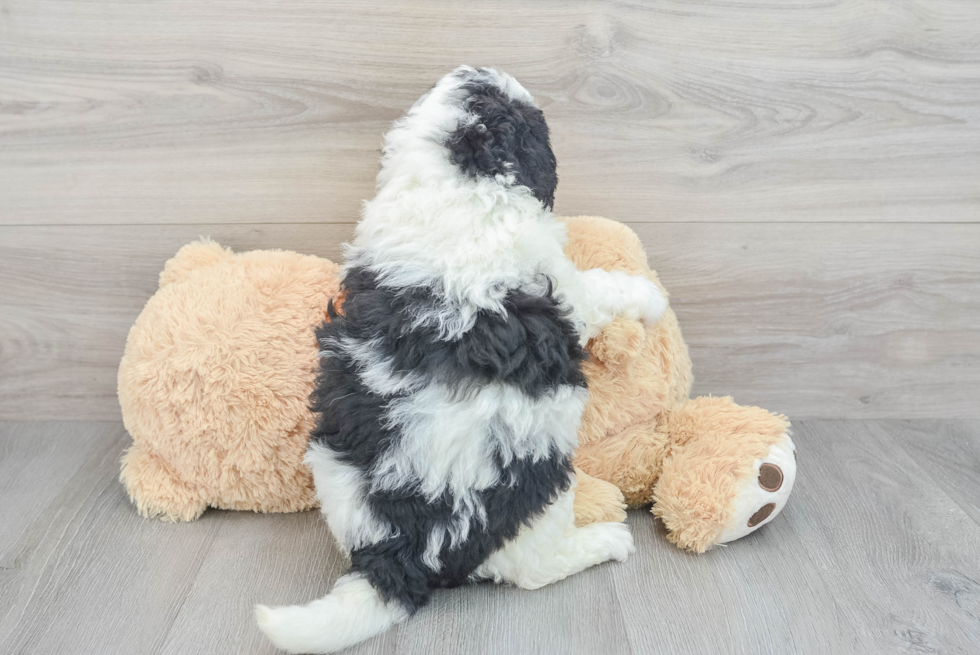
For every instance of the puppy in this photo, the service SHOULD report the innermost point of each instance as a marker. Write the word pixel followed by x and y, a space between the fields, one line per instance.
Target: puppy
pixel 450 389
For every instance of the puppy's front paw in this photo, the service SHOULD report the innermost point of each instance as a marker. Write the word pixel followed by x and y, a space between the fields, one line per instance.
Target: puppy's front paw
pixel 650 301
pixel 655 306
pixel 616 294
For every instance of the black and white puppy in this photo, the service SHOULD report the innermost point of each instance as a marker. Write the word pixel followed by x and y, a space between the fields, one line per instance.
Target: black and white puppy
pixel 450 391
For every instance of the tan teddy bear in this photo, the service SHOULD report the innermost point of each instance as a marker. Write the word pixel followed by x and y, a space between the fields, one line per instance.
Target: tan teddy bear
pixel 215 382
pixel 218 368
pixel 715 471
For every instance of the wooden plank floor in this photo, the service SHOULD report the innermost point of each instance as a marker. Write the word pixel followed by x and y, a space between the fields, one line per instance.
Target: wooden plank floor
pixel 877 552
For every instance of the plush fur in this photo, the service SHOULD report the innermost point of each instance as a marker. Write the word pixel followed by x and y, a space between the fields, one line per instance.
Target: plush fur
pixel 700 458
pixel 215 380
pixel 700 461
pixel 451 390
pixel 238 328
pixel 215 333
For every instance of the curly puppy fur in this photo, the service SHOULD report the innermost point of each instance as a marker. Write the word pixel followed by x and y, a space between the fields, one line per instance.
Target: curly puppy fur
pixel 451 389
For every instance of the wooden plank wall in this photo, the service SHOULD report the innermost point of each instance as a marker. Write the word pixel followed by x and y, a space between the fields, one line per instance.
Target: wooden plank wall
pixel 805 176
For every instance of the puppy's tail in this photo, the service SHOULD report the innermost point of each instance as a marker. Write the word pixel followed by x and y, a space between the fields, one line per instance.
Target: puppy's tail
pixel 349 614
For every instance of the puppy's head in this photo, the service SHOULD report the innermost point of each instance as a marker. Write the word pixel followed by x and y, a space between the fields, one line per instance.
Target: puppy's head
pixel 475 123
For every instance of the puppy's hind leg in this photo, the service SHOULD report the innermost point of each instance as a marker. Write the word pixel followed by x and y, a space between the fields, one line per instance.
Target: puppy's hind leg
pixel 552 548
pixel 349 614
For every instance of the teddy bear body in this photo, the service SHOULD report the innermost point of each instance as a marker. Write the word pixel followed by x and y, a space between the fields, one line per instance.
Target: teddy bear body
pixel 714 470
pixel 215 384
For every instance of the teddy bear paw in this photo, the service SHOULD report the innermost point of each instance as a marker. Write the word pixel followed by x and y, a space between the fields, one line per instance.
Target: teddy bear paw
pixel 765 494
pixel 597 501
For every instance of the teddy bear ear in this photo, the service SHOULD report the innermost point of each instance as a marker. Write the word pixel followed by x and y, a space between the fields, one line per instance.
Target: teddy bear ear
pixel 595 242
pixel 192 257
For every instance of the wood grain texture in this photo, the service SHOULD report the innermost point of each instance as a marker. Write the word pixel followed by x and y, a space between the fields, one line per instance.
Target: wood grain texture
pixel 803 175
pixel 816 321
pixel 239 111
pixel 871 555
pixel 758 595
pixel 68 296
pixel 825 321
pixel 86 574
pixel 950 452
pixel 898 555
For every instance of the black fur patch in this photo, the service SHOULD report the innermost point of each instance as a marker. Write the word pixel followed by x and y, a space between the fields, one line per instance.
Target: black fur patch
pixel 395 568
pixel 511 137
pixel 533 347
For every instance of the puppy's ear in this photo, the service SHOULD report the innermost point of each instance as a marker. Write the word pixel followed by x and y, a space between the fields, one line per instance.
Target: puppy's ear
pixel 506 140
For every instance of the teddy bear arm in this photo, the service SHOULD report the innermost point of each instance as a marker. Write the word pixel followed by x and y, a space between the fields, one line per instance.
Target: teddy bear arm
pixel 631 460
pixel 619 343
pixel 597 501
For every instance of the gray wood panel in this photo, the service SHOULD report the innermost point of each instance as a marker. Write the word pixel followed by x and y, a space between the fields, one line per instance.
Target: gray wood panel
pixel 242 111
pixel 804 176
pixel 950 452
pixel 827 321
pixel 88 577
pixel 754 596
pixel 838 320
pixel 68 296
pixel 872 555
pixel 897 553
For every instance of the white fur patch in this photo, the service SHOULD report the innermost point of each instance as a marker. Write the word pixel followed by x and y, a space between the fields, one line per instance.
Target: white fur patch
pixel 449 443
pixel 553 548
pixel 342 492
pixel 351 613
pixel 376 372
pixel 601 296
pixel 433 547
